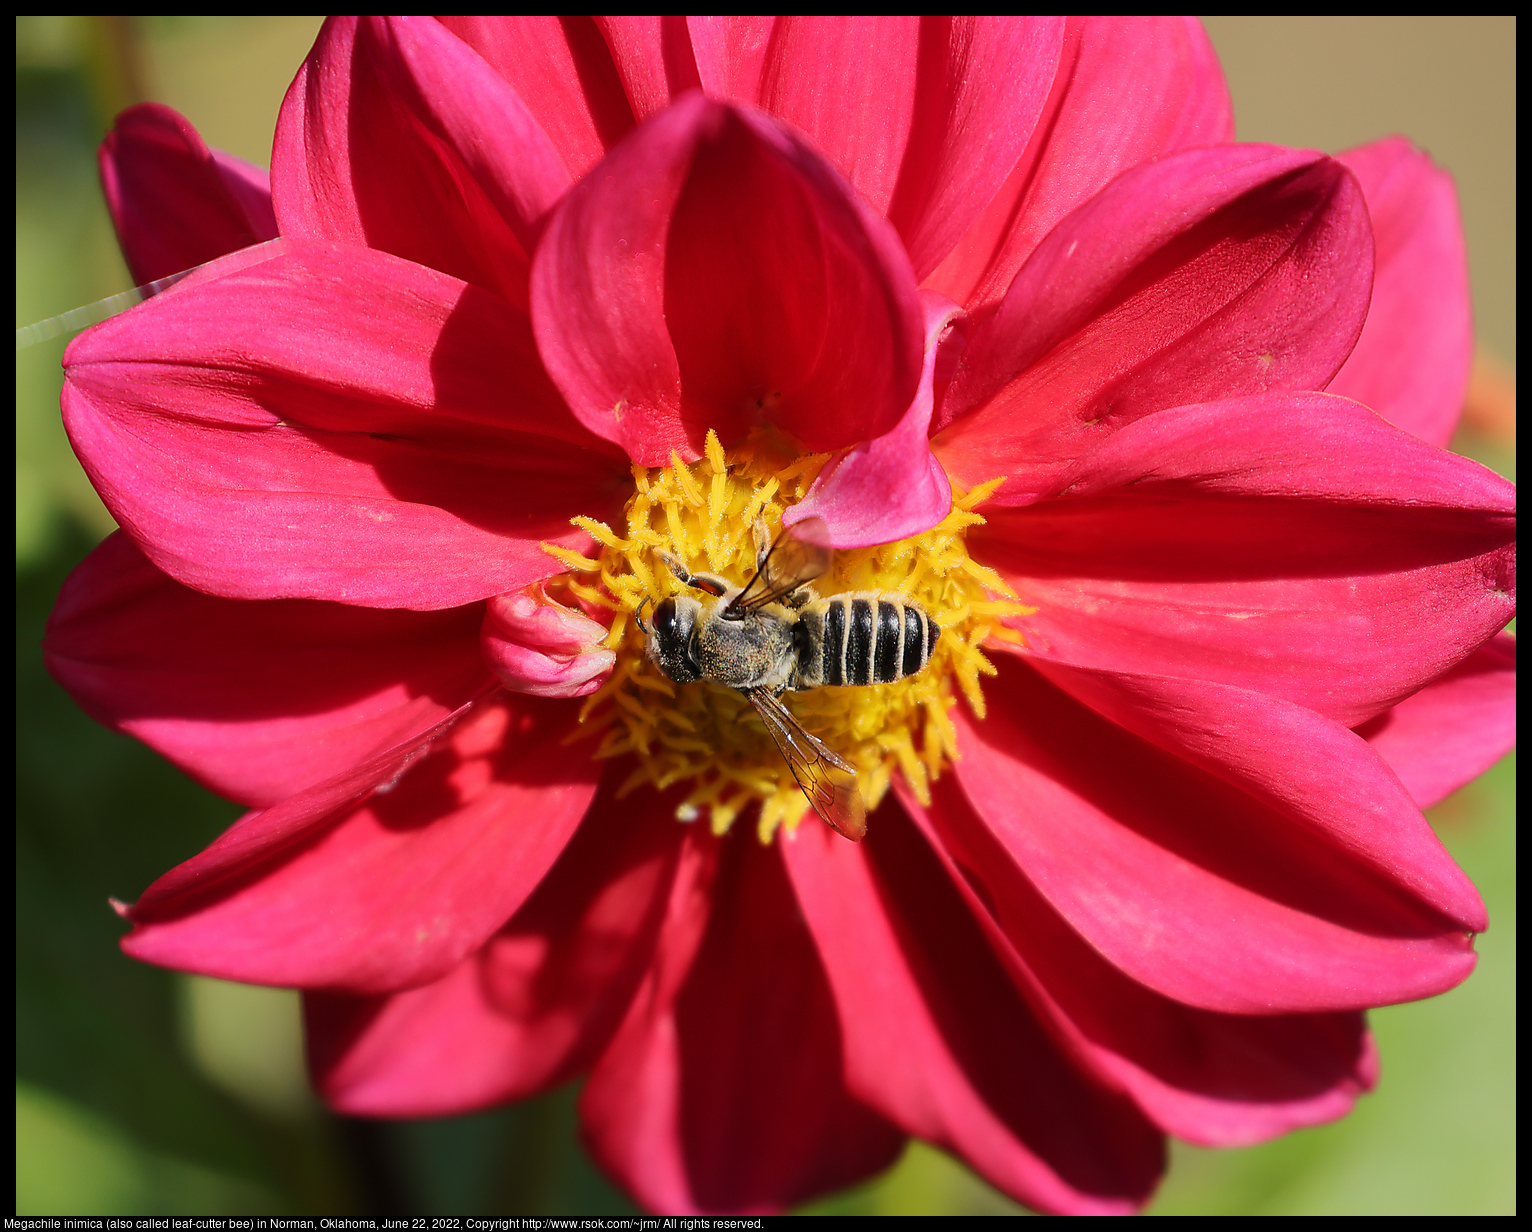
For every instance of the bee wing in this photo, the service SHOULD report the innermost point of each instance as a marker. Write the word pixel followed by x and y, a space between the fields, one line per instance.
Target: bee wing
pixel 801 553
pixel 827 779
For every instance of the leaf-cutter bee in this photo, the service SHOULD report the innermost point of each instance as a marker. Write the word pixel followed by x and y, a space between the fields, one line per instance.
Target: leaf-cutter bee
pixel 774 634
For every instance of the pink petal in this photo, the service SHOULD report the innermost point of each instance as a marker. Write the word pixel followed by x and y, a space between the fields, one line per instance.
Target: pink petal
pixel 562 69
pixel 1208 274
pixel 334 423
pixel 388 104
pixel 540 647
pixel 250 187
pixel 535 1005
pixel 1199 887
pixel 892 487
pixel 850 84
pixel 1295 545
pixel 1209 1078
pixel 938 1039
pixel 980 92
pixel 1127 90
pixel 1455 728
pixel 390 893
pixel 653 57
pixel 1320 777
pixel 925 115
pixel 722 1090
pixel 1411 362
pixel 717 273
pixel 265 833
pixel 257 701
pixel 730 53
pixel 174 202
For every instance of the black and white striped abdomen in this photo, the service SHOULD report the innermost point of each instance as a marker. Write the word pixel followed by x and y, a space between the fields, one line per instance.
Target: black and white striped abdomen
pixel 866 637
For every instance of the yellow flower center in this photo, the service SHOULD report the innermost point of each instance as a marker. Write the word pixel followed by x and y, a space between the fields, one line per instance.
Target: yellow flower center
pixel 706 734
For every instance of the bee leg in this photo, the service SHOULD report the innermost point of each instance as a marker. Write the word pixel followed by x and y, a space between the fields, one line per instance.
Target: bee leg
pixel 673 563
pixel 709 582
pixel 762 541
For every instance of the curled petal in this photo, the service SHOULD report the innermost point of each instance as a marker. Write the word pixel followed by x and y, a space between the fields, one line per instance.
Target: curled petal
pixel 1211 891
pixel 384 102
pixel 1411 363
pixel 1211 273
pixel 535 1005
pixel 1296 545
pixel 938 1039
pixel 1455 728
pixel 892 487
pixel 176 203
pixel 258 701
pixel 1127 90
pixel 434 862
pixel 720 274
pixel 334 423
pixel 540 647
pixel 722 1090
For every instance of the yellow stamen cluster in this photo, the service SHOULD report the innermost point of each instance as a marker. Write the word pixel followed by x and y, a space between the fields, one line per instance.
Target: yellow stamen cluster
pixel 706 734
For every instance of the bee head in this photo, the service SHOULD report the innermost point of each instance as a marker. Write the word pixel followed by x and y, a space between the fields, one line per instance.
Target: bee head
pixel 671 638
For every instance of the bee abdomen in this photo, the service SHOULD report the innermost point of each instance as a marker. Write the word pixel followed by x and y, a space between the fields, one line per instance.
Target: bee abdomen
pixel 863 639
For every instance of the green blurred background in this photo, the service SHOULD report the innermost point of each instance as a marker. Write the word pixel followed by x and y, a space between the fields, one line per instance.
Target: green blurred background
pixel 141 1091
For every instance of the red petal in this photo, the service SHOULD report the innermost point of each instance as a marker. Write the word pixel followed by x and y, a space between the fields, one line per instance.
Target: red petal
pixel 1319 776
pixel 1455 728
pixel 892 487
pixel 335 424
pixel 258 701
pixel 174 202
pixel 850 84
pixel 730 53
pixel 1212 895
pixel 562 70
pixel 717 273
pixel 396 136
pixel 980 89
pixel 925 115
pixel 722 1089
pixel 389 894
pixel 535 1005
pixel 1210 1078
pixel 1411 362
pixel 653 58
pixel 1209 274
pixel 938 1039
pixel 1296 545
pixel 1127 90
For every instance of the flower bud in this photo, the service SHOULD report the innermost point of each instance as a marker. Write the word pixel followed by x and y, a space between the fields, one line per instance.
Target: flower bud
pixel 540 647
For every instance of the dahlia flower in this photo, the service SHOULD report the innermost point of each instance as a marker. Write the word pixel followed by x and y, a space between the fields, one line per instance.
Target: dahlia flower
pixel 1150 423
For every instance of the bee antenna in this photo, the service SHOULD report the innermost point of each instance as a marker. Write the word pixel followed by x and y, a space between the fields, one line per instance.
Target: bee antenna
pixel 638 616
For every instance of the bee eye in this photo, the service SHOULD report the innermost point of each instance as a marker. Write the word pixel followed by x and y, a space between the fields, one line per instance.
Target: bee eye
pixel 665 618
pixel 670 646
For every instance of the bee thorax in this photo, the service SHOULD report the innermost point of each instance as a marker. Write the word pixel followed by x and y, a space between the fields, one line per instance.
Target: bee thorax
pixel 755 652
